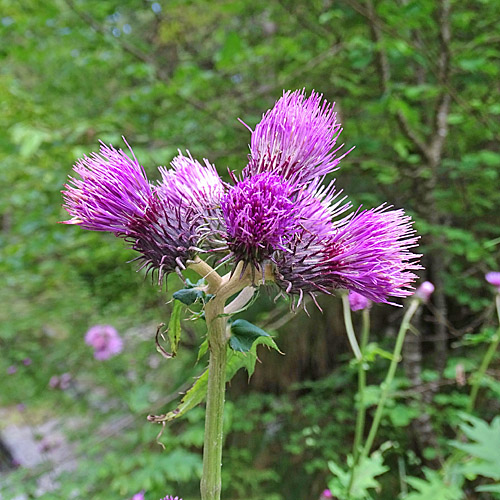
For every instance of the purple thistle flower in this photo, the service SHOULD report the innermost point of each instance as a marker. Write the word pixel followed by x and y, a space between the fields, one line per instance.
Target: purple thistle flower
pixel 113 191
pixel 11 370
pixel 205 186
pixel 296 139
pixel 493 278
pixel 424 291
pixel 357 302
pixel 105 341
pixel 367 253
pixel 162 222
pixel 260 217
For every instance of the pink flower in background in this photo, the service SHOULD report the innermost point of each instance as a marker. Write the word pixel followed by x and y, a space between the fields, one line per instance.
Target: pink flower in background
pixel 138 496
pixel 27 361
pixel 494 279
pixel 424 291
pixel 170 497
pixel 11 370
pixel 327 493
pixel 105 341
pixel 60 381
pixel 358 302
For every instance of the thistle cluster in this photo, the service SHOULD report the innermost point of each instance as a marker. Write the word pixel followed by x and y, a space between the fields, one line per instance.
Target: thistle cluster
pixel 277 214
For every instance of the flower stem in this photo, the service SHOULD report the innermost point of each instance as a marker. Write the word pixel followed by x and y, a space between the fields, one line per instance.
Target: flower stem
pixel 348 326
pixel 405 324
pixel 212 450
pixel 485 363
pixel 222 288
pixel 360 417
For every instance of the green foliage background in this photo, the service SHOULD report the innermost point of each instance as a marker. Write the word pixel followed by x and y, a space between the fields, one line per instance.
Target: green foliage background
pixel 178 74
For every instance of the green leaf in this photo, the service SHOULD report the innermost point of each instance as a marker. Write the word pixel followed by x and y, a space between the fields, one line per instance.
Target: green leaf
pixel 484 446
pixel 198 391
pixel 490 488
pixel 173 332
pixel 364 479
pixel 244 334
pixel 174 327
pixel 189 296
pixel 193 397
pixel 433 486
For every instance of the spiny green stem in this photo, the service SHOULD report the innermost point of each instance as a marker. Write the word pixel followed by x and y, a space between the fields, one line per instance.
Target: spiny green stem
pixel 389 377
pixel 212 451
pixel 222 288
pixel 485 363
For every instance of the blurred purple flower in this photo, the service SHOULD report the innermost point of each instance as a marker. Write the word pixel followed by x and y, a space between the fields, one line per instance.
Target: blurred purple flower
pixel 105 341
pixel 60 381
pixel 11 370
pixel 493 278
pixel 138 496
pixel 277 213
pixel 326 494
pixel 358 302
pixel 65 381
pixel 27 361
pixel 424 291
pixel 21 407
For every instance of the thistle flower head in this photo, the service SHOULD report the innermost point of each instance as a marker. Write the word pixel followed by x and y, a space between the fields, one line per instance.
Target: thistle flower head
pixel 105 340
pixel 190 184
pixel 111 192
pixel 367 253
pixel 260 217
pixel 296 139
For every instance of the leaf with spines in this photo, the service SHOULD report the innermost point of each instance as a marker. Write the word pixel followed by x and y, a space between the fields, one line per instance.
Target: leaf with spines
pixel 173 332
pixel 244 334
pixel 198 391
pixel 192 293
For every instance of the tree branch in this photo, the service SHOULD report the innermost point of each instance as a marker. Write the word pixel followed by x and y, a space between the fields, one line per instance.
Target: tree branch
pixel 384 71
pixel 144 57
pixel 440 130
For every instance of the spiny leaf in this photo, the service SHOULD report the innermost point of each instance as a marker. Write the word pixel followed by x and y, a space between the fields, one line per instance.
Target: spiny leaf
pixel 189 296
pixel 197 393
pixel 244 334
pixel 173 332
pixel 174 327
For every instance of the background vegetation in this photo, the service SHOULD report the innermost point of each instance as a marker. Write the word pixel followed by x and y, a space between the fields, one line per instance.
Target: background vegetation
pixel 416 86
